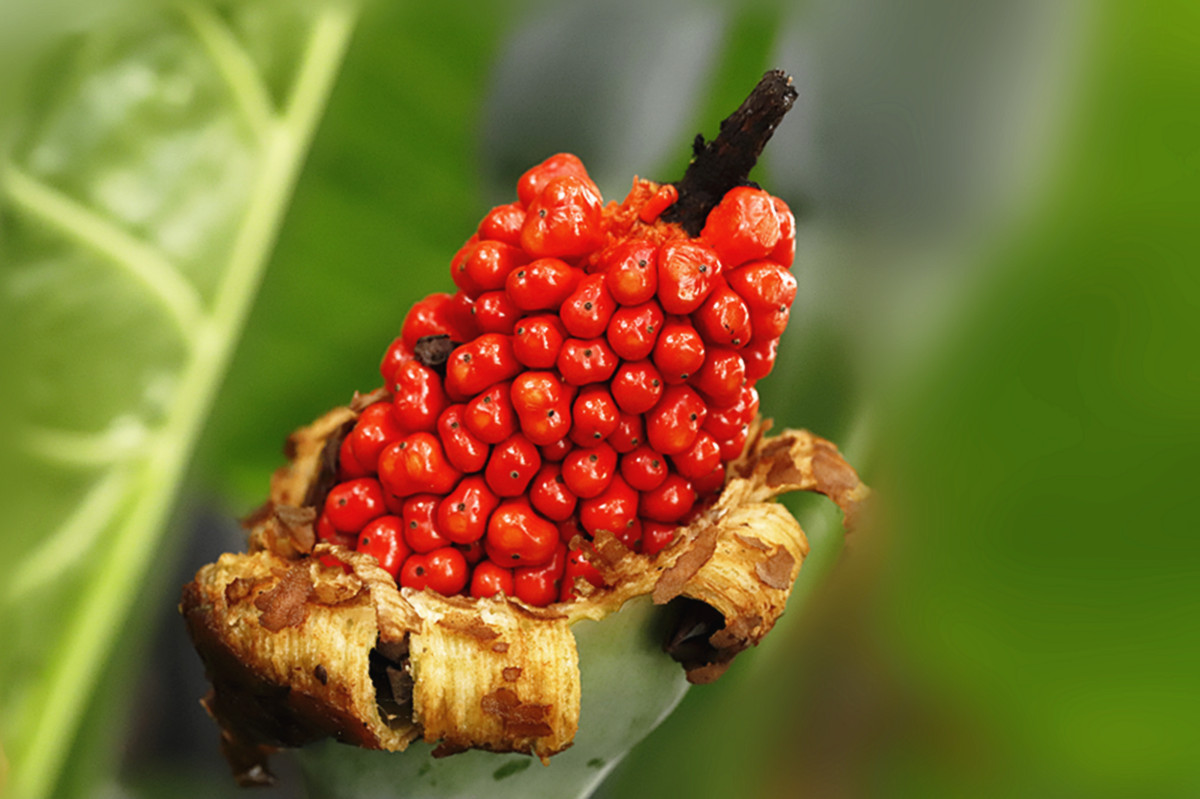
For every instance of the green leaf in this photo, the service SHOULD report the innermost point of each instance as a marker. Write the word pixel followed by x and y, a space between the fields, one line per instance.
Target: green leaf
pixel 151 166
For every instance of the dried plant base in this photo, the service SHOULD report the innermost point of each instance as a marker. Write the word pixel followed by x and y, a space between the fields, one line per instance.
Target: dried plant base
pixel 289 643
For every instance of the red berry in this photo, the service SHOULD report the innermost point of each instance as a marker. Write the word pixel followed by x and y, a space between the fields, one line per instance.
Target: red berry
pixel 657 536
pixel 486 265
pixel 327 532
pixel 495 312
pixel 421 531
pixel 643 468
pixel 586 361
pixel 488 579
pixel 537 341
pixel 554 453
pixel 679 352
pixel 490 417
pixel 542 285
pixel 530 184
pixel 710 483
pixel 432 316
pixel 478 364
pixel 446 571
pixel 722 376
pixel 636 387
pixel 723 320
pixel 503 223
pixel 512 466
pixel 418 398
pixel 578 568
pixel 595 416
pixel 631 271
pixel 615 509
pixel 349 466
pixel 633 330
pixel 464 450
pixel 785 251
pixel 473 552
pixel 629 433
pixel 383 538
pixel 585 313
pixel 540 585
pixel 661 200
pixel 670 502
pixel 462 515
pixel 672 425
pixel 743 225
pixel 726 422
pixel 588 471
pixel 397 353
pixel 350 505
pixel 542 405
pixel 768 290
pixel 700 459
pixel 413 574
pixel 517 536
pixel 375 429
pixel 687 271
pixel 416 464
pixel 549 495
pixel 732 447
pixel 759 356
pixel 565 220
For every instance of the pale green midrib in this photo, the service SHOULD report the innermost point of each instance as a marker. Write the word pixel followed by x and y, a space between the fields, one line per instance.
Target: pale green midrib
pixel 88 637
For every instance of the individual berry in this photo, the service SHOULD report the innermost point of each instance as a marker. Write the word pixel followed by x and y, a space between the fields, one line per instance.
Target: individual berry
pixel 517 536
pixel 375 428
pixel 633 330
pixel 472 552
pixel 679 352
pixel 554 453
pixel 540 585
pixel 636 387
pixel 414 573
pixel 446 571
pixel 585 313
pixel 530 184
pixel 512 466
pixel 432 316
pixel 543 284
pixel 490 417
pixel 478 364
pixel 327 532
pixel 785 251
pixel 549 495
pixel 421 531
pixel 768 290
pixel 629 434
pixel 485 266
pixel 687 271
pixel 397 353
pixel 586 361
pixel 657 536
pixel 743 226
pixel 578 568
pixel 416 464
pixel 733 446
pixel 503 223
pixel 595 416
pixel 418 398
pixel 712 482
pixel 565 220
pixel 670 502
pixel 723 320
pixel 350 505
pixel 537 341
pixel 615 509
pixel 588 470
pixel 383 539
pixel 700 459
pixel 722 376
pixel 488 580
pixel 462 515
pixel 631 271
pixel 349 467
pixel 726 422
pixel 458 268
pixel 570 533
pixel 495 312
pixel 465 451
pixel 543 407
pixel 643 468
pixel 759 356
pixel 672 425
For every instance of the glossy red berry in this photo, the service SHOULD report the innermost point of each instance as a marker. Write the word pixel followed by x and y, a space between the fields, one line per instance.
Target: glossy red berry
pixel 585 313
pixel 495 312
pixel 629 434
pixel 503 223
pixel 486 265
pixel 634 330
pixel 712 482
pixel 512 466
pixel 636 387
pixel 462 515
pixel 517 536
pixel 643 468
pixel 687 271
pixel 722 377
pixel 679 352
pixel 543 284
pixel 759 356
pixel 541 585
pixel 588 470
pixel 350 505
pixel 383 539
pixel 657 536
pixel 446 571
pixel 530 184
pixel 700 459
pixel 586 361
pixel 543 407
pixel 375 428
pixel 672 425
pixel 465 451
pixel 785 251
pixel 724 320
pixel 743 226
pixel 537 341
pixel 631 271
pixel 488 580
pixel 418 398
pixel 477 365
pixel 554 453
pixel 565 220
pixel 615 509
pixel 397 353
pixel 327 532
pixel 432 316
pixel 416 464
pixel 595 416
pixel 726 422
pixel 670 502
pixel 419 516
pixel 490 417
pixel 413 574
pixel 549 495
pixel 578 568
pixel 768 290
pixel 349 467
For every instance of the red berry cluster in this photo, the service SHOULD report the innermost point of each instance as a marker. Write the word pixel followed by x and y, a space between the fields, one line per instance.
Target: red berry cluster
pixel 601 375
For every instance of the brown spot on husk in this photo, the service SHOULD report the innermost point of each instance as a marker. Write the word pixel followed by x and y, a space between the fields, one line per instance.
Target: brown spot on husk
pixel 285 604
pixel 776 571
pixel 671 581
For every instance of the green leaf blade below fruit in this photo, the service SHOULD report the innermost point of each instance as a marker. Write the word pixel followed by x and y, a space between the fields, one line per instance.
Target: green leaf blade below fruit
pixel 140 203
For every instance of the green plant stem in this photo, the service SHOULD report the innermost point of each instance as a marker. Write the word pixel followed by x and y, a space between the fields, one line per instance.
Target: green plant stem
pixel 88 636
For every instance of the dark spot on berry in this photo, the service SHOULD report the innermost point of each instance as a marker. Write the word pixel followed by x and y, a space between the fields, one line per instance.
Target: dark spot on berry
pixel 514 474
pixel 596 435
pixel 635 441
pixel 703 269
pixel 365 542
pixel 593 457
pixel 520 273
pixel 462 506
pixel 341 502
pixel 642 262
pixel 587 306
pixel 684 376
pixel 466 357
pixel 420 571
pixel 558 478
pixel 737 341
pixel 474 310
pixel 520 331
pixel 655 463
pixel 412 525
pixel 655 382
pixel 454 425
pixel 487 400
pixel 550 414
pixel 692 416
pixel 542 213
pixel 587 353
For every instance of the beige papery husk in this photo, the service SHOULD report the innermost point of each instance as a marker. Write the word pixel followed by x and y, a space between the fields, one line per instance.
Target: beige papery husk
pixel 299 648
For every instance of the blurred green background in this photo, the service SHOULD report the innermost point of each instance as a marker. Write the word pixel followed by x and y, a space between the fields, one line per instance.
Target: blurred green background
pixel 997 209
